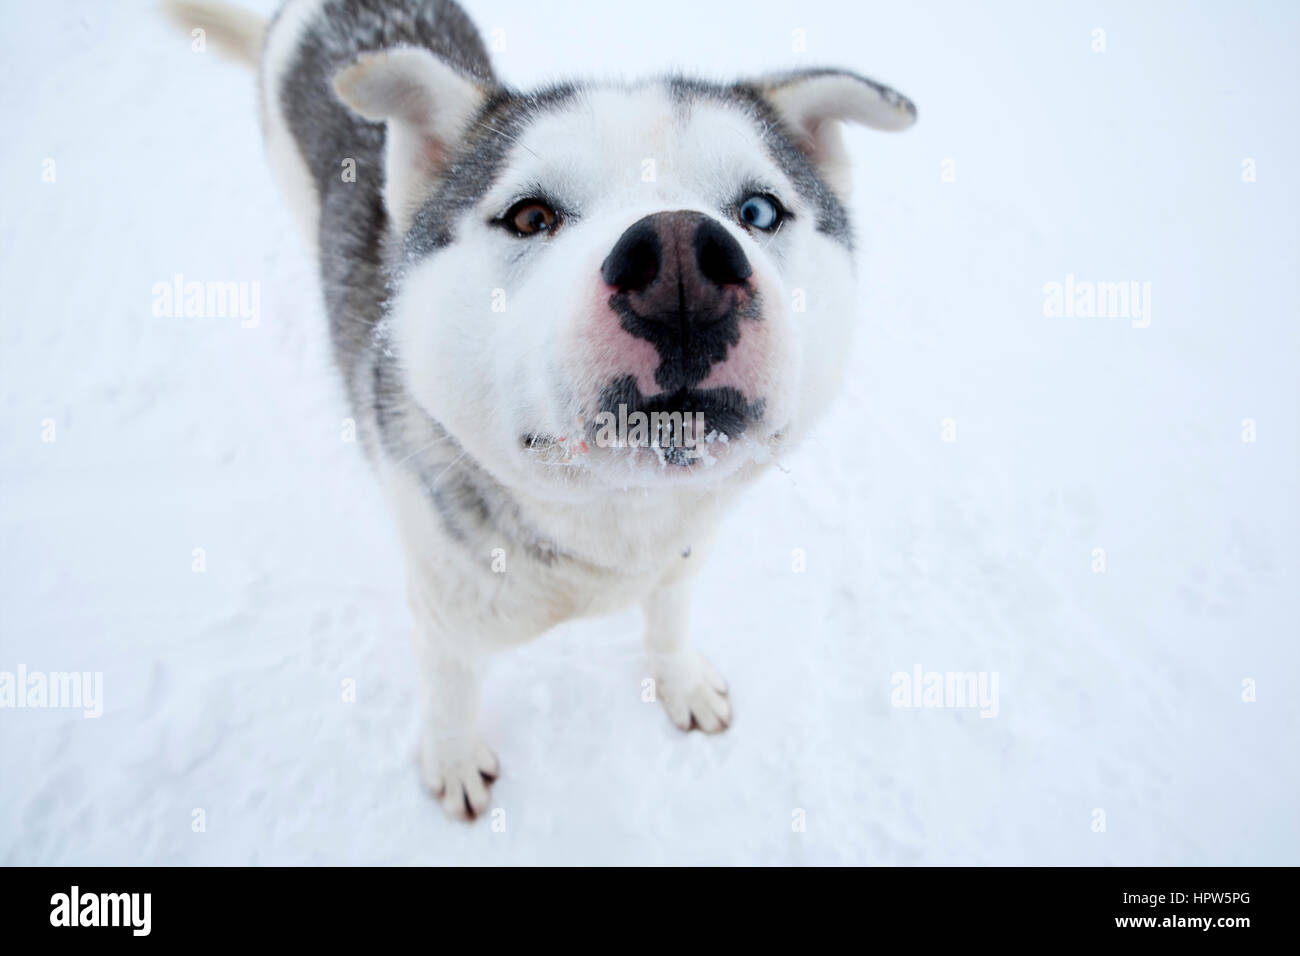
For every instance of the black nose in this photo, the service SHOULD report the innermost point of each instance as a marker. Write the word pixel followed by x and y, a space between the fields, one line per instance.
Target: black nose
pixel 680 283
pixel 683 255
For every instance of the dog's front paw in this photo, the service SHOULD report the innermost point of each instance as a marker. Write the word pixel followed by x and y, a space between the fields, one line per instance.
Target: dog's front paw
pixel 460 777
pixel 692 692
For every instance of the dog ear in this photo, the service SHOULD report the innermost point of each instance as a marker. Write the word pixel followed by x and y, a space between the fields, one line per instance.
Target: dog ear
pixel 814 103
pixel 426 103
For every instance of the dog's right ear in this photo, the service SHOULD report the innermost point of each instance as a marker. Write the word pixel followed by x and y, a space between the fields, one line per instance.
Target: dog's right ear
pixel 427 105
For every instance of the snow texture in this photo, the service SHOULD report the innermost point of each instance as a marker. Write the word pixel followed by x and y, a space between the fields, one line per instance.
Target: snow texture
pixel 1120 691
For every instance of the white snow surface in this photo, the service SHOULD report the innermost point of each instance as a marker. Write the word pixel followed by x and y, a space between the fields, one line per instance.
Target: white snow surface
pixel 1120 691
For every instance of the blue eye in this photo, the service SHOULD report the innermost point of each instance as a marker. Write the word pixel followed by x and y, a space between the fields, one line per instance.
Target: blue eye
pixel 760 212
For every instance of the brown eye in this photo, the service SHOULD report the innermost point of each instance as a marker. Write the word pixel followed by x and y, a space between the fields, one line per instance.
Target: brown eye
pixel 528 217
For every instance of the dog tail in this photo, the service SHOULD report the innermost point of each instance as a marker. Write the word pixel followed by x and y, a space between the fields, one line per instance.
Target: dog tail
pixel 234 31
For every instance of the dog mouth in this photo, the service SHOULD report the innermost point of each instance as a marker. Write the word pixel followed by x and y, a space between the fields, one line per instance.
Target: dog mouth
pixel 685 428
pixel 682 423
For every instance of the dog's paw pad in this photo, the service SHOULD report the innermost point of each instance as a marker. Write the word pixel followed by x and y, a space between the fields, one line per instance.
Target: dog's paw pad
pixel 461 782
pixel 693 694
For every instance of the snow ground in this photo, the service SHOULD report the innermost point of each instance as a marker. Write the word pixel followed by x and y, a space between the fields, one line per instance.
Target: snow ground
pixel 1119 691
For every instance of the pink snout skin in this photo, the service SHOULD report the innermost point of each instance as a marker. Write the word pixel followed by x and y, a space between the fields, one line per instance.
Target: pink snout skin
pixel 608 352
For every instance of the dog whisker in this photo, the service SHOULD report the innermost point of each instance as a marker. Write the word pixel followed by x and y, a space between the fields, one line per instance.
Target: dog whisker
pixel 421 451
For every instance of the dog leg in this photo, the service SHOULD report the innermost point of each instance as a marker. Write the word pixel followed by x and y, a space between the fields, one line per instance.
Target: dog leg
pixel 691 690
pixel 457 767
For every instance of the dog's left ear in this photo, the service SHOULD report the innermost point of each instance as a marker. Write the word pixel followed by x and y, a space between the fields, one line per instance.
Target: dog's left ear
pixel 813 103
pixel 427 104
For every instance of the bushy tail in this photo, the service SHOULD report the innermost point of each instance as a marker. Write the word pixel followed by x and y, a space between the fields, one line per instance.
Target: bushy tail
pixel 234 31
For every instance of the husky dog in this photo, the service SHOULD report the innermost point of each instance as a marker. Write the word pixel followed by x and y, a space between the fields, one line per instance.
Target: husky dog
pixel 516 282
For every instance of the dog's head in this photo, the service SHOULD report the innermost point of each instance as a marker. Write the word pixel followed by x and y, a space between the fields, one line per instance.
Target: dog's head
pixel 608 286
